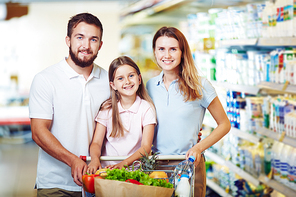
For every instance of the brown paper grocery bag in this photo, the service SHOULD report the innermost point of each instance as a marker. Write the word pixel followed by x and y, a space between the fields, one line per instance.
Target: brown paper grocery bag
pixel 111 188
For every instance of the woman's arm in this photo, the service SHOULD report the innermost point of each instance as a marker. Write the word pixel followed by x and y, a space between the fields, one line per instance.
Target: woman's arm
pixel 96 148
pixel 146 143
pixel 223 126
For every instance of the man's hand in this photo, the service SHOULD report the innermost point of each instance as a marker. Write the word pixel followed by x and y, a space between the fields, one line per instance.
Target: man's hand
pixel 78 169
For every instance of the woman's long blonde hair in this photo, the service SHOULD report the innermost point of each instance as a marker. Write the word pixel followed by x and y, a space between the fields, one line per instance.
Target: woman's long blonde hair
pixel 112 102
pixel 189 81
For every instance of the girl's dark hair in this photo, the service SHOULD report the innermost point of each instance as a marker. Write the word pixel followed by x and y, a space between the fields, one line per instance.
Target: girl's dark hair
pixel 83 17
pixel 111 103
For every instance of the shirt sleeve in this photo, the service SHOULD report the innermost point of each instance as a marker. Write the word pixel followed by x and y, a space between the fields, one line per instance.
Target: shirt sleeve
pixel 41 98
pixel 102 117
pixel 149 117
pixel 209 93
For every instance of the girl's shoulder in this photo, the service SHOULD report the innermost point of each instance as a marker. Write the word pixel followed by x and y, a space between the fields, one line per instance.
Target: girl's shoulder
pixel 145 104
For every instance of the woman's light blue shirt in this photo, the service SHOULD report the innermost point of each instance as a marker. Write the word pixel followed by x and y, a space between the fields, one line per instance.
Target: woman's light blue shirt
pixel 178 122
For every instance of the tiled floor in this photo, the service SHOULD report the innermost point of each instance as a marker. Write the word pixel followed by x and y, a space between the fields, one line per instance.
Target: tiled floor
pixel 18 164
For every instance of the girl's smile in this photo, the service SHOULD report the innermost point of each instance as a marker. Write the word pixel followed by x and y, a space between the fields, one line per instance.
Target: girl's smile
pixel 126 81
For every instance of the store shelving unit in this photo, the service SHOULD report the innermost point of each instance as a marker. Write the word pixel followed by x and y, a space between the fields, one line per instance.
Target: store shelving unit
pixel 276 136
pixel 254 180
pixel 216 158
pixel 157 14
pixel 264 132
pixel 277 186
pixel 217 188
pixel 141 13
pixel 238 88
pixel 284 41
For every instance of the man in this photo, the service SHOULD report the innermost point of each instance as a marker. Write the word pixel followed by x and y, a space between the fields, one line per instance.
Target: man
pixel 64 100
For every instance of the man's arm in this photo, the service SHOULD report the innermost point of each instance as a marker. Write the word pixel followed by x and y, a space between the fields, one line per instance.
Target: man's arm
pixel 48 142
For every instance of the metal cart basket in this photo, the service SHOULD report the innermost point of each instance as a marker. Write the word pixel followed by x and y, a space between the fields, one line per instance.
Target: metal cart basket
pixel 164 165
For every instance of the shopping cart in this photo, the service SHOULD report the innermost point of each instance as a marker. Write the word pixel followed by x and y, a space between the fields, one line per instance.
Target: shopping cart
pixel 164 165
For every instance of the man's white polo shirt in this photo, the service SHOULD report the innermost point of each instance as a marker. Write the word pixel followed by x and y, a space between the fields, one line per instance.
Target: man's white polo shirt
pixel 60 94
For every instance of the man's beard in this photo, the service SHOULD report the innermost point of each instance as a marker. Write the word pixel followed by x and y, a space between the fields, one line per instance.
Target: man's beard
pixel 79 62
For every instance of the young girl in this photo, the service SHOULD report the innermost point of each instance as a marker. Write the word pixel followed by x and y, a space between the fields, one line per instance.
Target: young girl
pixel 126 121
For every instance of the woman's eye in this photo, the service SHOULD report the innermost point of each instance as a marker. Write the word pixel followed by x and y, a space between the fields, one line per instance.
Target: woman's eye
pixel 132 75
pixel 120 78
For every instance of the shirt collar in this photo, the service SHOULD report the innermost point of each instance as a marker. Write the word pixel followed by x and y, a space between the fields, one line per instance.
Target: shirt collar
pixel 134 108
pixel 71 73
pixel 159 79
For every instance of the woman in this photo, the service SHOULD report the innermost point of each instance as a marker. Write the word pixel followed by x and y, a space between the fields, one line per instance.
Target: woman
pixel 181 98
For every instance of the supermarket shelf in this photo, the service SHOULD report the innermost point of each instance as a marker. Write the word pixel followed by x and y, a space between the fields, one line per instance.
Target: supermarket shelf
pixel 217 188
pixel 244 42
pixel 143 14
pixel 278 87
pixel 277 186
pixel 233 168
pixel 209 121
pixel 273 87
pixel 237 88
pixel 216 158
pixel 276 136
pixel 284 41
pixel 245 135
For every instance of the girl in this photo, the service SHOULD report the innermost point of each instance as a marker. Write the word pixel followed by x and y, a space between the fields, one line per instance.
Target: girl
pixel 126 120
pixel 181 98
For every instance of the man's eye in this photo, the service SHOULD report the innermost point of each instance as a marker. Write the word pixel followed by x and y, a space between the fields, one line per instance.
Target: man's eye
pixel 94 40
pixel 79 38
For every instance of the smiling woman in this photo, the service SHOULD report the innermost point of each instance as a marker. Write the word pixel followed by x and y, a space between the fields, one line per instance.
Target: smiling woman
pixel 181 98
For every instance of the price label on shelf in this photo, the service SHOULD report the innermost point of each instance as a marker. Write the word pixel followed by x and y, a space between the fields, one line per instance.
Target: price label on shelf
pixel 281 139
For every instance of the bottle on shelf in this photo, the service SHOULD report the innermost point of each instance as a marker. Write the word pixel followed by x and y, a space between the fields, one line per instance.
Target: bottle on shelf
pixel 185 167
pixel 284 163
pixel 276 159
pixel 292 170
pixel 183 188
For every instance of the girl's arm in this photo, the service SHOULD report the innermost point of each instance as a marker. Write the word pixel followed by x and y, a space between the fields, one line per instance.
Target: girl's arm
pixel 146 143
pixel 95 148
pixel 223 126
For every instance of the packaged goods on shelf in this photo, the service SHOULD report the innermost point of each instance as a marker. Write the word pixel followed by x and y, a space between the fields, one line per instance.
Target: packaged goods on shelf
pixel 233 183
pixel 283 164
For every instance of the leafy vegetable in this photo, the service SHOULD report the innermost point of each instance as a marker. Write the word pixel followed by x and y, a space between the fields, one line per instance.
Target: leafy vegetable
pixel 124 174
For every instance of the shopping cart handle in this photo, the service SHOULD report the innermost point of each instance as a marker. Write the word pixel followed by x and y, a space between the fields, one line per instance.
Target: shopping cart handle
pixel 159 157
pixel 121 158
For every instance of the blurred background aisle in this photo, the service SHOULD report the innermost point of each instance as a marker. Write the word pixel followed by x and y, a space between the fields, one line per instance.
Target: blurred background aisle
pixel 18 163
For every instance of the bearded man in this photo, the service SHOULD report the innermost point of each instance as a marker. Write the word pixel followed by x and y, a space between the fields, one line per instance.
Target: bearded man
pixel 64 100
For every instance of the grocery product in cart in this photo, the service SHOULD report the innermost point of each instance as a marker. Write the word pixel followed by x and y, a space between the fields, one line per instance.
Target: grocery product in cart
pixel 185 167
pixel 183 188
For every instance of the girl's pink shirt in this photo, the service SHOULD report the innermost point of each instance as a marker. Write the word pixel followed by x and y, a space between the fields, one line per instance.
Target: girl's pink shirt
pixel 134 120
